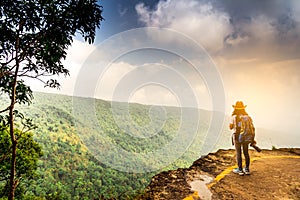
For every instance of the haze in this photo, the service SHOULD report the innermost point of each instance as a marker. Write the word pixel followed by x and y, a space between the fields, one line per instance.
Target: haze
pixel 253 44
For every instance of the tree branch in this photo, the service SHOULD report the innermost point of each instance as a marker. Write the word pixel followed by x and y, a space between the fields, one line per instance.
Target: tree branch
pixel 34 77
pixel 7 62
pixel 4 73
pixel 6 109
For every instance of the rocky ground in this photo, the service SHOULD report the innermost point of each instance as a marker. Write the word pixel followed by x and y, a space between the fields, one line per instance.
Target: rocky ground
pixel 274 175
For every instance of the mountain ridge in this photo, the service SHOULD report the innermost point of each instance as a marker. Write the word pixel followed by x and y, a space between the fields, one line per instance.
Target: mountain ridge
pixel 68 165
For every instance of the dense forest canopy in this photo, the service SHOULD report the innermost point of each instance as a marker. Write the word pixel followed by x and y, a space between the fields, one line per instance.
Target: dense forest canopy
pixel 69 169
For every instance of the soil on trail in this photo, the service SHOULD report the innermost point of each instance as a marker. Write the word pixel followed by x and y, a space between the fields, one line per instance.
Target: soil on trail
pixel 271 178
pixel 275 174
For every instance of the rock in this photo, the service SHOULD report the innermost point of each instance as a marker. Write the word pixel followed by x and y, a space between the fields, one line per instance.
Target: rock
pixel 176 184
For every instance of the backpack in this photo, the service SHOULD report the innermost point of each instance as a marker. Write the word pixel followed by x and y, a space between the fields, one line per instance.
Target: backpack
pixel 244 129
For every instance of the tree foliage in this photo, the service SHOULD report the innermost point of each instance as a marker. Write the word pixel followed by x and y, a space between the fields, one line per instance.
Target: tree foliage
pixel 34 37
pixel 28 154
pixel 68 170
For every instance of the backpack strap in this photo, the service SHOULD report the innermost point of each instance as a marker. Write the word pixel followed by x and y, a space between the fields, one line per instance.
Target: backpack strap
pixel 236 134
pixel 237 127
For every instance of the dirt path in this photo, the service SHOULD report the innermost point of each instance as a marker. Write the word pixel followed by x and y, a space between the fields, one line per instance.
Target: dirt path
pixel 274 177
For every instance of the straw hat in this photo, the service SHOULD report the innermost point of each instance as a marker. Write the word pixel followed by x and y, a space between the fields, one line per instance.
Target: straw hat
pixel 239 105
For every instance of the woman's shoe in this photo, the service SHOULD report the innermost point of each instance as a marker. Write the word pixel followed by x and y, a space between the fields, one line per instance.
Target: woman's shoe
pixel 238 171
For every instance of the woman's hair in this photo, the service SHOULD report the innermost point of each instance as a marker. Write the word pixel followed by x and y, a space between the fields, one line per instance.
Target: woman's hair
pixel 239 112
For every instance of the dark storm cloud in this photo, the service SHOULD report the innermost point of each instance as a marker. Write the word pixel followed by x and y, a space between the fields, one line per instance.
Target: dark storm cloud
pixel 280 13
pixel 270 26
pixel 239 9
pixel 255 26
pixel 285 23
pixel 265 29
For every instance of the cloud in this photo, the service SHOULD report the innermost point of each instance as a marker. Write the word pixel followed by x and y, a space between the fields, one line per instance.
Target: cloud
pixel 266 30
pixel 111 78
pixel 77 54
pixel 146 95
pixel 153 84
pixel 249 29
pixel 249 9
pixel 295 5
pixel 79 51
pixel 197 20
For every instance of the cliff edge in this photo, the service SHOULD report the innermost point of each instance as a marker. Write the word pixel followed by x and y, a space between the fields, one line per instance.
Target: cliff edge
pixel 274 175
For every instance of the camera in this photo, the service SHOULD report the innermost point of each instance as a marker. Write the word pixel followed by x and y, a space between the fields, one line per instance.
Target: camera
pixel 255 147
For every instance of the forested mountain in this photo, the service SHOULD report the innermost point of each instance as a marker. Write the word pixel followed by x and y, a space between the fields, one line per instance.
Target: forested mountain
pixel 84 158
pixel 70 168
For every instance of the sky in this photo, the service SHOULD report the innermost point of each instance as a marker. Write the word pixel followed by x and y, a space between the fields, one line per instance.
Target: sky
pixel 214 52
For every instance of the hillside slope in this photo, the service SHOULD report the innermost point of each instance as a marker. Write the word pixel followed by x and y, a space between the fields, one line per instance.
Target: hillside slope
pixel 70 169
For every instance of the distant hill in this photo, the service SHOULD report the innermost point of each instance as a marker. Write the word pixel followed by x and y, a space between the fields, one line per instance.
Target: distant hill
pixel 72 167
pixel 97 149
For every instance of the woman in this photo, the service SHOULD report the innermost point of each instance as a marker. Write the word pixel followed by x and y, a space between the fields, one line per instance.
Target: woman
pixel 239 111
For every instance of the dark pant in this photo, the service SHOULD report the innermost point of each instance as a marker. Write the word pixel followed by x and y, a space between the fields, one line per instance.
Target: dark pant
pixel 238 148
